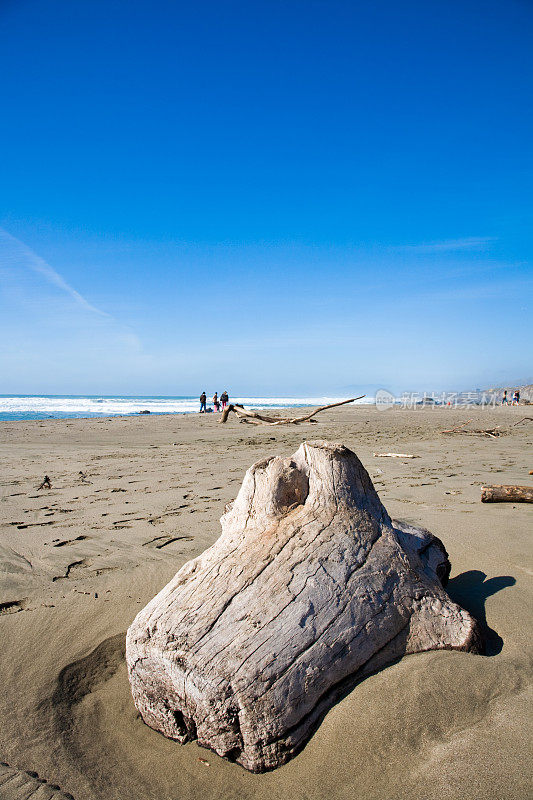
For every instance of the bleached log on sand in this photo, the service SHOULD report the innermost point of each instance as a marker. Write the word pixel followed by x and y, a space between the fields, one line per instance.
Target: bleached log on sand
pixel 394 455
pixel 309 588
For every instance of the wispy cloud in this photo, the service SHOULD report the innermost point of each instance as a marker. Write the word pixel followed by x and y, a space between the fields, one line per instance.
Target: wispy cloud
pixel 518 289
pixel 16 252
pixel 451 245
pixel 18 262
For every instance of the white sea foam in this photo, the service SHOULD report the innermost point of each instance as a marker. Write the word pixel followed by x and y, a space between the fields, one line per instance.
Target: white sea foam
pixel 65 406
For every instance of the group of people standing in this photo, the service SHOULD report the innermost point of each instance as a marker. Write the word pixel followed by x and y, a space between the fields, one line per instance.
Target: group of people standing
pixel 515 401
pixel 218 402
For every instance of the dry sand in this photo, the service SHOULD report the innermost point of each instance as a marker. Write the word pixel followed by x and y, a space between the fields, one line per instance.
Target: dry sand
pixel 78 561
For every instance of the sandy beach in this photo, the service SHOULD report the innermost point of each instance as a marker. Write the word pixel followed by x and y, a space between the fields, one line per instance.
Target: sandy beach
pixel 134 498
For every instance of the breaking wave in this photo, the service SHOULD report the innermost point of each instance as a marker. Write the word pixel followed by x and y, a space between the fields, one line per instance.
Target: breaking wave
pixel 69 406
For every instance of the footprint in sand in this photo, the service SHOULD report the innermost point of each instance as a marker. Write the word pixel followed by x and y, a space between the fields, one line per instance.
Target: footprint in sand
pixel 161 541
pixel 12 607
pixel 22 526
pixel 81 677
pixel 73 568
pixel 17 784
pixel 66 542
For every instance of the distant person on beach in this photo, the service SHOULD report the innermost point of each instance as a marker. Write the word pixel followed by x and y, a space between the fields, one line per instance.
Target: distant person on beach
pixel 224 399
pixel 203 403
pixel 215 402
pixel 505 401
pixel 516 398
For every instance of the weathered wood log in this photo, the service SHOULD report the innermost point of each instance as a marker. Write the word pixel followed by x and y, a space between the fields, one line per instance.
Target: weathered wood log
pixel 507 494
pixel 310 588
pixel 255 418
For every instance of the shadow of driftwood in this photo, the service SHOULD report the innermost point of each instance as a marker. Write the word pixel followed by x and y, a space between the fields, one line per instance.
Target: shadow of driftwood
pixel 470 590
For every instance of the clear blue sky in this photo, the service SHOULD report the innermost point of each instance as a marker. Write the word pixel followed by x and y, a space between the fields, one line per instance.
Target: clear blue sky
pixel 281 197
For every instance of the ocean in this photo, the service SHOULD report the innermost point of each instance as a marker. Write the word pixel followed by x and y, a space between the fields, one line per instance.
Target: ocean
pixel 35 407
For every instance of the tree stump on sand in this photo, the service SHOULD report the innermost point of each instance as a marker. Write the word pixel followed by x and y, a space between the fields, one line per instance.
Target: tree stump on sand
pixel 309 588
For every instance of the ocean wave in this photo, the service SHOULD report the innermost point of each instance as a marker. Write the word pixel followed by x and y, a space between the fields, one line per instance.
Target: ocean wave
pixel 60 407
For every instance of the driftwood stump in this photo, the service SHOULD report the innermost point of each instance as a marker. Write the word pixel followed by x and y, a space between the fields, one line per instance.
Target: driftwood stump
pixel 309 588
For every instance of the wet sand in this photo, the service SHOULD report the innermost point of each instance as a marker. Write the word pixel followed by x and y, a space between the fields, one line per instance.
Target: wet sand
pixel 78 561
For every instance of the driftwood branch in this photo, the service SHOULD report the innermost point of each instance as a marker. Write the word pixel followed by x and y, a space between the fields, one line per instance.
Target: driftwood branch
pixel 492 433
pixel 46 484
pixel 507 494
pixel 458 428
pixel 262 419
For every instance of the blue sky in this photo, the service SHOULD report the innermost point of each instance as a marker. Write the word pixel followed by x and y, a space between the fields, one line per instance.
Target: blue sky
pixel 281 197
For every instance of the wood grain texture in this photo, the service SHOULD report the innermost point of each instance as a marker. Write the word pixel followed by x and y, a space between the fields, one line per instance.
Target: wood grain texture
pixel 310 587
